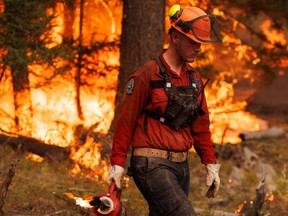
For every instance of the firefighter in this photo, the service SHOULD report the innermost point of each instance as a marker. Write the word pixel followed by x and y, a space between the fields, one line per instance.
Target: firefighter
pixel 163 114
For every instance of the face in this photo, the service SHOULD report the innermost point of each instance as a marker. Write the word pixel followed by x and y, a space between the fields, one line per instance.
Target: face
pixel 187 48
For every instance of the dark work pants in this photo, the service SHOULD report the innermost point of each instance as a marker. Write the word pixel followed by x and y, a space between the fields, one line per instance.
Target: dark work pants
pixel 164 185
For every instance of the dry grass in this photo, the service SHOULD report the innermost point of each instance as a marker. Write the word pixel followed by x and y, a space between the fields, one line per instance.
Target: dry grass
pixel 32 189
pixel 34 184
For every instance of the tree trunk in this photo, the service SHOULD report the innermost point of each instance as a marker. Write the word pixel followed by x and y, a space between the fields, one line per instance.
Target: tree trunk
pixel 22 100
pixel 69 18
pixel 142 39
pixel 79 65
pixel 17 52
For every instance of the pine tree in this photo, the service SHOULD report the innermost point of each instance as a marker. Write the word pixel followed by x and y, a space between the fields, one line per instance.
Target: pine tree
pixel 25 40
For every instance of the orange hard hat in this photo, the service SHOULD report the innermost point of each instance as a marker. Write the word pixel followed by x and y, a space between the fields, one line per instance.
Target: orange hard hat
pixel 195 24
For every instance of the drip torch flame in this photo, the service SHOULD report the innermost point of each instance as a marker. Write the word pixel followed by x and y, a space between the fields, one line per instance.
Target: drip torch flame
pixel 79 201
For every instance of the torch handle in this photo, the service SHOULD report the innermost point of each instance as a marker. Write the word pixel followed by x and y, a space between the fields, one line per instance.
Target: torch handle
pixel 112 188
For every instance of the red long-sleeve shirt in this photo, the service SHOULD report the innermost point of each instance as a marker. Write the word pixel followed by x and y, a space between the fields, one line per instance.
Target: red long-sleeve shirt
pixel 130 129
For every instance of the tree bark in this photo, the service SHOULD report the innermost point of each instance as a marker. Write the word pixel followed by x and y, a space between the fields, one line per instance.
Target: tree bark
pixel 142 39
pixel 50 152
pixel 17 52
pixel 22 100
pixel 79 64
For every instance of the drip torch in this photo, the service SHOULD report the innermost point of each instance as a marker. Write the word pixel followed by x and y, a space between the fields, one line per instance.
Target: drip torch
pixel 108 204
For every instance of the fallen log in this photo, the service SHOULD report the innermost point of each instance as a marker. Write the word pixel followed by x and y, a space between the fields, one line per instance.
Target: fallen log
pixel 28 144
pixel 273 132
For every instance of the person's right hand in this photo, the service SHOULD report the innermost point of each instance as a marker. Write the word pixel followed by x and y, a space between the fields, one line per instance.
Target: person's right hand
pixel 115 174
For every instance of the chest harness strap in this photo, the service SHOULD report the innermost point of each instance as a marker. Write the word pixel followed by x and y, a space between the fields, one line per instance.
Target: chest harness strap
pixel 183 107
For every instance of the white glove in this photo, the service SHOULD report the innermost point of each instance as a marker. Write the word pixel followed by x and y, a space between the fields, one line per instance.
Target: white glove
pixel 115 174
pixel 212 179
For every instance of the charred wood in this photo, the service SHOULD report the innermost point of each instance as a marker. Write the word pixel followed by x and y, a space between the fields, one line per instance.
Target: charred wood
pixel 254 208
pixel 28 144
pixel 273 132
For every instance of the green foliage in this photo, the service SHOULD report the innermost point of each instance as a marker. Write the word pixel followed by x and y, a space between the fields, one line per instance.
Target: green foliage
pixel 24 37
pixel 25 40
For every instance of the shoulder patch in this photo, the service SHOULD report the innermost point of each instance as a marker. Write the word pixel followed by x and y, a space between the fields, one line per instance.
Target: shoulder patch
pixel 130 86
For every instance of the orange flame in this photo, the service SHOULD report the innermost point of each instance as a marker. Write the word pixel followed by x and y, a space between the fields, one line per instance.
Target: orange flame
pixel 79 201
pixel 273 35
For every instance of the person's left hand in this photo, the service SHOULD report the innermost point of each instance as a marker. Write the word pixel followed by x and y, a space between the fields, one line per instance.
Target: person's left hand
pixel 212 179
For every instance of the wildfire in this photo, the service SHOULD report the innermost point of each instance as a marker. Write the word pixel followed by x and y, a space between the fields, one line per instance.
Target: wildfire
pixel 240 207
pixel 88 156
pixel 229 118
pixel 53 96
pixel 270 197
pixel 34 157
pixel 55 34
pixel 273 35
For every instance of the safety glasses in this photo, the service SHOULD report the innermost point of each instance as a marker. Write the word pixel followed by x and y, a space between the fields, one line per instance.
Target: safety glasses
pixel 204 28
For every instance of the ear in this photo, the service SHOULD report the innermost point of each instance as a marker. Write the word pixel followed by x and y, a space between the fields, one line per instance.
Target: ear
pixel 175 37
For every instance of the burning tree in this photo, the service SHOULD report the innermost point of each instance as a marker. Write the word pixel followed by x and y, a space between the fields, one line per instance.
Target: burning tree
pixel 24 40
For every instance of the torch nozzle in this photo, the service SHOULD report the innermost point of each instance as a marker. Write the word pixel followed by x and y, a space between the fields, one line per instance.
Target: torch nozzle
pixel 96 201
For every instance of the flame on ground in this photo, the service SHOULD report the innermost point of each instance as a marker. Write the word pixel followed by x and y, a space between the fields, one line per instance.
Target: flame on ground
pixel 80 201
pixel 88 157
pixel 269 197
pixel 34 157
